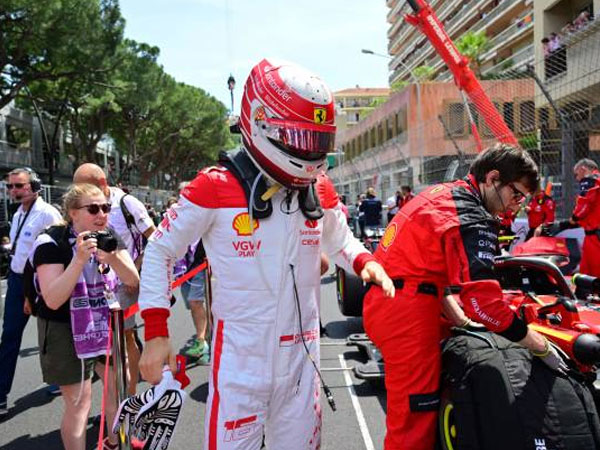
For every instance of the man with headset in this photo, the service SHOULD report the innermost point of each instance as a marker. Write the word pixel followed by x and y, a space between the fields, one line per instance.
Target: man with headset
pixel 32 216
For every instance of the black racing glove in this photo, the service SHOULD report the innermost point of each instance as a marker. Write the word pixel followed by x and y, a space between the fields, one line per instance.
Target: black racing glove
pixel 155 423
pixel 553 228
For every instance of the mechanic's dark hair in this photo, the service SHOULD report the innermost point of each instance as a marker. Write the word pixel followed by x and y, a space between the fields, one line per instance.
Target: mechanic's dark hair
pixel 406 188
pixel 513 163
pixel 587 163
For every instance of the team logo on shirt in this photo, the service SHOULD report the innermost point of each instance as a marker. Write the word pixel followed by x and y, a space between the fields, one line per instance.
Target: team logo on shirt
pixel 437 189
pixel 389 236
pixel 241 224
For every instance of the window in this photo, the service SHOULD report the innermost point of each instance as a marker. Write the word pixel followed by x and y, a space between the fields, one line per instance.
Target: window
pixel 456 119
pixel 380 134
pixel 390 129
pixel 509 115
pixel 527 116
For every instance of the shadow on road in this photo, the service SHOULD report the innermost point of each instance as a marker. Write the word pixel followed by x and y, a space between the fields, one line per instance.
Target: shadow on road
pixel 200 393
pixel 34 399
pixel 341 329
pixel 51 440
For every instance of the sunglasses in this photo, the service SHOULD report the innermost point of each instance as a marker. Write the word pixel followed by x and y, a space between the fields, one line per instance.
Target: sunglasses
pixel 16 185
pixel 517 194
pixel 94 208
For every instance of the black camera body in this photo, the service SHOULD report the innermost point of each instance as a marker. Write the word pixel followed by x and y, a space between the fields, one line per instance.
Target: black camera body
pixel 107 241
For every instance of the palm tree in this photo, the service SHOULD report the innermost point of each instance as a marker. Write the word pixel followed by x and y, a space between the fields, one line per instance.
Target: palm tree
pixel 473 45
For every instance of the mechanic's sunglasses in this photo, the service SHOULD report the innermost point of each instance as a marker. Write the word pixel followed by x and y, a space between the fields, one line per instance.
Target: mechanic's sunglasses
pixel 16 185
pixel 517 194
pixel 94 208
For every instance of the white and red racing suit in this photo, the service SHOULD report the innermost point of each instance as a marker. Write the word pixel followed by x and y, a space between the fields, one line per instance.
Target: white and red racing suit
pixel 265 284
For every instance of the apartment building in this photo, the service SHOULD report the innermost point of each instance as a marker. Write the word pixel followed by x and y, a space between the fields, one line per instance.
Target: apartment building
pixel 354 104
pixel 508 24
pixel 417 136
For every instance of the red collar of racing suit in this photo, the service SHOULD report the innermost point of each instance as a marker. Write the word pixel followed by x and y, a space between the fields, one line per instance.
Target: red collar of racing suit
pixel 473 185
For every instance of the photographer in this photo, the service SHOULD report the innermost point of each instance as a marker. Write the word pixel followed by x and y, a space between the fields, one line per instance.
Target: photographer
pixel 76 267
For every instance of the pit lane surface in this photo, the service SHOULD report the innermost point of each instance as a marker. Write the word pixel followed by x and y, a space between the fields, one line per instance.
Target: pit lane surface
pixel 358 423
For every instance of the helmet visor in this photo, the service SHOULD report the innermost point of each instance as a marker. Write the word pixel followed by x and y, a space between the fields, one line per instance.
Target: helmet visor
pixel 310 142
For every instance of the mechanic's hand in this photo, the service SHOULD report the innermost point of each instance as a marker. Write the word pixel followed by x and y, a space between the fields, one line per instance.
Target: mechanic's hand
pixel 373 273
pixel 538 231
pixel 157 352
pixel 551 357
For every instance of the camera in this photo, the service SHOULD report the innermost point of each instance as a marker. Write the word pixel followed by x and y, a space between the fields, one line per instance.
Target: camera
pixel 107 242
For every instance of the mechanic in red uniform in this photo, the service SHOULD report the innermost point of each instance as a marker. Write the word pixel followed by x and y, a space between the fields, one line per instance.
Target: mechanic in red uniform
pixel 446 237
pixel 407 196
pixel 586 214
pixel 540 210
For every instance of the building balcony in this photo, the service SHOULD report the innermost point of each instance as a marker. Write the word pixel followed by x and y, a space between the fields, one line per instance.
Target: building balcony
pixel 496 13
pixel 574 67
pixel 513 62
pixel 391 17
pixel 508 36
pixel 469 10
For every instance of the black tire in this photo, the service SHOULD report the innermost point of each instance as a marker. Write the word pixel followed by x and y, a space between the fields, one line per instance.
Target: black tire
pixel 350 291
pixel 446 423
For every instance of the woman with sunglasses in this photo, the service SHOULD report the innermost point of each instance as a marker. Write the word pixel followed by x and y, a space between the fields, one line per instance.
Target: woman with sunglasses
pixel 74 279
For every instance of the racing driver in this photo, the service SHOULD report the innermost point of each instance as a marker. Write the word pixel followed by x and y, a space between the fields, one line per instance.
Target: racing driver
pixel 445 238
pixel 263 222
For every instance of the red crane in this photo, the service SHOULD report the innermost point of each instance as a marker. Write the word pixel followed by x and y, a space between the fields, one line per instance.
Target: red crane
pixel 427 21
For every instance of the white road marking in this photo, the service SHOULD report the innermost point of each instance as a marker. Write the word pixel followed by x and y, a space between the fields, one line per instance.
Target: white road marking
pixel 364 430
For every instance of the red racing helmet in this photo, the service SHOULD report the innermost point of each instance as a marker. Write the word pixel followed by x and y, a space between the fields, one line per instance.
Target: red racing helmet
pixel 287 122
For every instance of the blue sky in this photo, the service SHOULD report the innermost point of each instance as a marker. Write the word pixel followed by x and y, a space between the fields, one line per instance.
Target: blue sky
pixel 202 41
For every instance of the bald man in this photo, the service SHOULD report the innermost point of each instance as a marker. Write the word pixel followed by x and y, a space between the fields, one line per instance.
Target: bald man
pixel 133 234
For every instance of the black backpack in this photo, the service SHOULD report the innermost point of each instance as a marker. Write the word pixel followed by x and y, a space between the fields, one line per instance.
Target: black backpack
pixel 60 235
pixel 504 398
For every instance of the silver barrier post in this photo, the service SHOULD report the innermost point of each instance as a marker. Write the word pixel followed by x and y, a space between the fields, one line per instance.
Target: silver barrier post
pixel 118 359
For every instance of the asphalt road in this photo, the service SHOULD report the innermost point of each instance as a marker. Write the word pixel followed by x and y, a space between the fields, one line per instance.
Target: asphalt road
pixel 358 423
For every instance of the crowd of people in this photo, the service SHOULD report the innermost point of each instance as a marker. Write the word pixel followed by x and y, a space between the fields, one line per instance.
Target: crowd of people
pixel 553 44
pixel 267 218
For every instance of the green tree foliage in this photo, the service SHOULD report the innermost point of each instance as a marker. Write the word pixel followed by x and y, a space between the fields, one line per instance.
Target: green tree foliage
pixel 69 58
pixel 473 45
pixel 423 73
pixel 55 40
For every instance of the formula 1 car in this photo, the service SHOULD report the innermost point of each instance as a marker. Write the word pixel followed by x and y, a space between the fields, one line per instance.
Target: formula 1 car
pixel 350 289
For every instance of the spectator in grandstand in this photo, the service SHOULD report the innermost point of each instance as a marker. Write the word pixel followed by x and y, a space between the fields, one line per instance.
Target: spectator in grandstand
pixel 73 314
pixel 129 218
pixel 555 42
pixel 582 20
pixel 32 216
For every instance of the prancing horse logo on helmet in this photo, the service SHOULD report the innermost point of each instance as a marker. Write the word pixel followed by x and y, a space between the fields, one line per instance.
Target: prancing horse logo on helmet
pixel 320 115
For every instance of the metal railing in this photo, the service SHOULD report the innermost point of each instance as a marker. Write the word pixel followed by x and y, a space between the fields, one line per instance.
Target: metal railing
pixel 495 13
pixel 523 56
pixel 506 36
